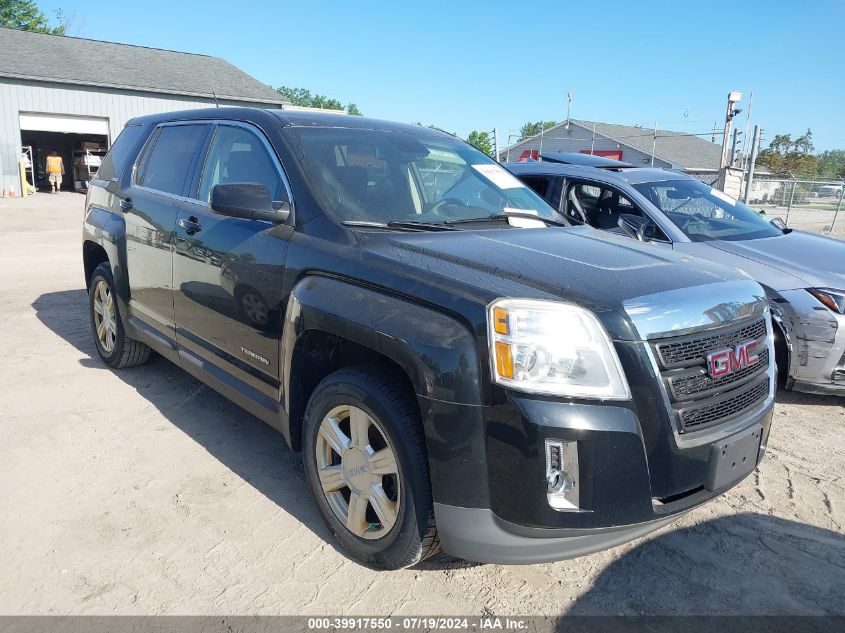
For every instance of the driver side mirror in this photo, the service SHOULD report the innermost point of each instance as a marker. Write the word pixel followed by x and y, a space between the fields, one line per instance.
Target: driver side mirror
pixel 247 200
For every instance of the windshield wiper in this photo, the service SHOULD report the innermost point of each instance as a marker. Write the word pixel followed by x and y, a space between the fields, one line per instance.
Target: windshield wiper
pixel 401 225
pixel 509 214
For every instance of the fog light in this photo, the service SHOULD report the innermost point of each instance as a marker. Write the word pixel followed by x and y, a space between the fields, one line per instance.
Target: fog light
pixel 562 475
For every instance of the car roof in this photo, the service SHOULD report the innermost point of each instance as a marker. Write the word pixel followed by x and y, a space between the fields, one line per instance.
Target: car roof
pixel 587 160
pixel 289 118
pixel 629 175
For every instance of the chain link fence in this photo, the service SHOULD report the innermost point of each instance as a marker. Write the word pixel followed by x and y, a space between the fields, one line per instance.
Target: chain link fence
pixel 815 205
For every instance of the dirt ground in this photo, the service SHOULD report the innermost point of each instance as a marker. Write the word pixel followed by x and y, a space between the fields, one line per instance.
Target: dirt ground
pixel 144 492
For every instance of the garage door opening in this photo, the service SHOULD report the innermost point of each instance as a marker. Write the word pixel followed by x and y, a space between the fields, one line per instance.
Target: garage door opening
pixel 80 141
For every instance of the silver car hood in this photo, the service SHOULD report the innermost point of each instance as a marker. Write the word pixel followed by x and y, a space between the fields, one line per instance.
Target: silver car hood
pixel 803 260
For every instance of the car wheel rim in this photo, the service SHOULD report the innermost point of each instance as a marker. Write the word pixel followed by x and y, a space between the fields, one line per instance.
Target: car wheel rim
pixel 105 316
pixel 358 472
pixel 254 308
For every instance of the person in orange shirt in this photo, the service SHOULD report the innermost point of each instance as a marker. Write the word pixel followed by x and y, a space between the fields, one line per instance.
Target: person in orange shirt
pixel 55 170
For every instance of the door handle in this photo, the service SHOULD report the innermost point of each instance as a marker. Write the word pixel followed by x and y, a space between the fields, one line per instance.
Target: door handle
pixel 191 225
pixel 126 204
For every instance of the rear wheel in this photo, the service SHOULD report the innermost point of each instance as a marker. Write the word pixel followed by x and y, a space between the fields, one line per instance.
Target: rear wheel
pixel 113 345
pixel 367 467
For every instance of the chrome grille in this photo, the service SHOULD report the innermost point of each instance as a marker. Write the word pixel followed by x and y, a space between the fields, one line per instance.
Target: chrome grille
pixel 699 400
pixel 725 408
pixel 688 385
pixel 691 350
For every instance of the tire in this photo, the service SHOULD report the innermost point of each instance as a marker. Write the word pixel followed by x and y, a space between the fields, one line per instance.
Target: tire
pixel 114 347
pixel 781 358
pixel 403 532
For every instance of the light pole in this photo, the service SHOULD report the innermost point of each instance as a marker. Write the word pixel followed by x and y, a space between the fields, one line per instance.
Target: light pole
pixel 733 98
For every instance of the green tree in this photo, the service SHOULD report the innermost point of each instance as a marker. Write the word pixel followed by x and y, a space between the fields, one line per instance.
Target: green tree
pixel 25 15
pixel 832 163
pixel 303 97
pixel 533 128
pixel 481 141
pixel 785 155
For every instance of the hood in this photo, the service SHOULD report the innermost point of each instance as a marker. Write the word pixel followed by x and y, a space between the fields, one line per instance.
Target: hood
pixel 796 259
pixel 579 265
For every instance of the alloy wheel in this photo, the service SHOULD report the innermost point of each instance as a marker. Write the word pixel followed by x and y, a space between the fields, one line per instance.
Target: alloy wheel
pixel 358 472
pixel 105 316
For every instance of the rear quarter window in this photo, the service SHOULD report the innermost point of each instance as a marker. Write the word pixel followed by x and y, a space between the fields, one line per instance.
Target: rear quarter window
pixel 120 153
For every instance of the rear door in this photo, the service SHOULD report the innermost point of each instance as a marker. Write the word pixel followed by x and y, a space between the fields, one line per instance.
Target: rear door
pixel 227 271
pixel 150 204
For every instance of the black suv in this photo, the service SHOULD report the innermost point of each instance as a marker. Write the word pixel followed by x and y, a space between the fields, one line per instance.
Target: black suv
pixel 458 369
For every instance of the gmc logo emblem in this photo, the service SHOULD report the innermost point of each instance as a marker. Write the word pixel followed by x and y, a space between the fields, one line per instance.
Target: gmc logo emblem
pixel 728 361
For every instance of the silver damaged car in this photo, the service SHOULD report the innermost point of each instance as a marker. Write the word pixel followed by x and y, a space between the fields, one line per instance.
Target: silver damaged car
pixel 803 273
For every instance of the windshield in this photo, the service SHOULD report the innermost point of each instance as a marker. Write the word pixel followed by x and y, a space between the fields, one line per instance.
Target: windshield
pixel 704 213
pixel 377 176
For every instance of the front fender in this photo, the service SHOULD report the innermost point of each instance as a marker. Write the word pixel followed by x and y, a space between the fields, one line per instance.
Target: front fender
pixel 437 353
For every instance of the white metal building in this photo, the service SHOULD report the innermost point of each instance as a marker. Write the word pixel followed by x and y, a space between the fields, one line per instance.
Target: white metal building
pixel 75 95
pixel 640 146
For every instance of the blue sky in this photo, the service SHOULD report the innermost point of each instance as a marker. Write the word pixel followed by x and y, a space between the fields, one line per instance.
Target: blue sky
pixel 478 65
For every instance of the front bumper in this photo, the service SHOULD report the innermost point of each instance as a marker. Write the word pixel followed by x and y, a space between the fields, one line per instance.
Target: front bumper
pixel 478 535
pixel 816 338
pixel 624 478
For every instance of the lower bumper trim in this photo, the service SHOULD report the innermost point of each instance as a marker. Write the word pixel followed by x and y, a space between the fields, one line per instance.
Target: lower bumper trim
pixel 824 389
pixel 476 534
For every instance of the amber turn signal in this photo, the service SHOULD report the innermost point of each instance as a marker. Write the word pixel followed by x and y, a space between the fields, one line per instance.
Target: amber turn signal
pixel 504 360
pixel 500 321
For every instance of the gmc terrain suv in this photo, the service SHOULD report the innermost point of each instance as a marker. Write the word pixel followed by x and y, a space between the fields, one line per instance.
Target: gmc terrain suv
pixel 460 367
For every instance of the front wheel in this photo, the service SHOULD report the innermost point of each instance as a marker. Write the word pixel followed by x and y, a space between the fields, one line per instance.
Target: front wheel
pixel 367 468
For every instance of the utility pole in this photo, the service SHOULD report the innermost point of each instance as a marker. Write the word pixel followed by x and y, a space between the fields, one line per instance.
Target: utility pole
pixel 508 156
pixel 654 143
pixel 496 142
pixel 568 106
pixel 733 98
pixel 734 143
pixel 755 146
pixel 744 161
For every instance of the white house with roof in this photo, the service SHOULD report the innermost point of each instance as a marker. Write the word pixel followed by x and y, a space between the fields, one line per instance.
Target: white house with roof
pixel 640 146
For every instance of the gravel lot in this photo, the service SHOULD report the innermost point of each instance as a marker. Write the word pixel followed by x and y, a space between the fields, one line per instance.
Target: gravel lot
pixel 144 492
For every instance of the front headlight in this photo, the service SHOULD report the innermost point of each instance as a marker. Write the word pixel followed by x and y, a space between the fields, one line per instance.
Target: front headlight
pixel 833 299
pixel 553 348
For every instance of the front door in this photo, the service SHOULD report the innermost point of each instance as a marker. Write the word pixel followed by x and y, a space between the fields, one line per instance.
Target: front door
pixel 227 272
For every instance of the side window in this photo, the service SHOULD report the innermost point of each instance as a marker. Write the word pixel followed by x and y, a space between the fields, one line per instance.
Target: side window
pixel 602 207
pixel 540 184
pixel 238 155
pixel 171 157
pixel 114 162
